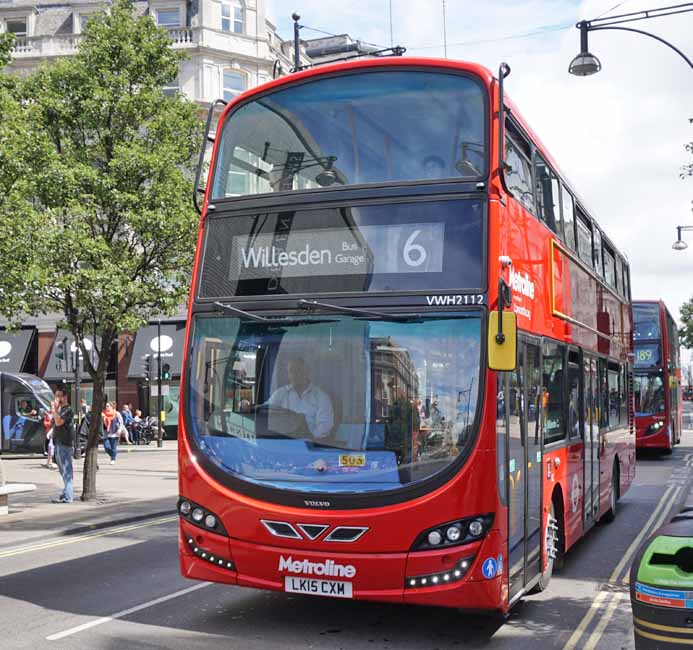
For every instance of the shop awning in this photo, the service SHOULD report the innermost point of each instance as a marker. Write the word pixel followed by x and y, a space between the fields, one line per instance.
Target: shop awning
pixel 59 371
pixel 172 343
pixel 14 349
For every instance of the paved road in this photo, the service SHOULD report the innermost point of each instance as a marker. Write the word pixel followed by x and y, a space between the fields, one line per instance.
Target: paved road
pixel 120 589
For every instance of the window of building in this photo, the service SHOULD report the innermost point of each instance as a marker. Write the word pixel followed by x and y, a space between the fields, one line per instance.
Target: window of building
pixel 172 88
pixel 552 393
pixel 83 20
pixel 234 83
pixel 609 268
pixel 547 193
pixel 518 166
pixel 232 18
pixel 568 217
pixel 168 17
pixel 17 26
pixel 597 258
pixel 584 238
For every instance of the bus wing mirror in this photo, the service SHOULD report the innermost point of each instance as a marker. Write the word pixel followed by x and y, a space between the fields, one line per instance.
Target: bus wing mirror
pixel 502 354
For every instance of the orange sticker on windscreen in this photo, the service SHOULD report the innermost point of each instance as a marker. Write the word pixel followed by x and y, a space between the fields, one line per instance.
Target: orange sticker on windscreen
pixel 352 460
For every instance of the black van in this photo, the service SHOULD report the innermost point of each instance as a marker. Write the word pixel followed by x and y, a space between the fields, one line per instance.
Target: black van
pixel 25 399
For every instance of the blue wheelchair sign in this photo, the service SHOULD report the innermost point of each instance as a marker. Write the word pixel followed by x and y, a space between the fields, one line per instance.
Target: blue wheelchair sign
pixel 489 568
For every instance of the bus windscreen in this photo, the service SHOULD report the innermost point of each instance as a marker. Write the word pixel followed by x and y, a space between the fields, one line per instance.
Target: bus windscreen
pixel 384 126
pixel 336 405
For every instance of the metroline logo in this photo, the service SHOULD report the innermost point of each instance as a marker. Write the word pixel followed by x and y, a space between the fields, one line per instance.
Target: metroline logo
pixel 522 284
pixel 326 568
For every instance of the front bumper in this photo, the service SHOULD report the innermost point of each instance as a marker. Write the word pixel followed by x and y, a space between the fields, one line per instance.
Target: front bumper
pixel 376 576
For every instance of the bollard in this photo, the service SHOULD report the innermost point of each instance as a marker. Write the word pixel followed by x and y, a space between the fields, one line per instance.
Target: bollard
pixel 661 587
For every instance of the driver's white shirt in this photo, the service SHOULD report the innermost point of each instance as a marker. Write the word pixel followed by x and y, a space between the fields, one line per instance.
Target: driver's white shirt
pixel 313 404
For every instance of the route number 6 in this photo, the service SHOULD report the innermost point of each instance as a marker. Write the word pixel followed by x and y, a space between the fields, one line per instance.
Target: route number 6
pixel 414 254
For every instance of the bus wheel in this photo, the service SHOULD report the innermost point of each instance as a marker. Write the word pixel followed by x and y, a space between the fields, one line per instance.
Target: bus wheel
pixel 551 548
pixel 610 514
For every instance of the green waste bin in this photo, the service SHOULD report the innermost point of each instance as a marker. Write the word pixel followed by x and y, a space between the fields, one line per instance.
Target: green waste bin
pixel 661 588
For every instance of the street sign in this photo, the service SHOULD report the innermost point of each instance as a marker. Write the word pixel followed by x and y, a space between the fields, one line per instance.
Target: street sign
pixel 154 390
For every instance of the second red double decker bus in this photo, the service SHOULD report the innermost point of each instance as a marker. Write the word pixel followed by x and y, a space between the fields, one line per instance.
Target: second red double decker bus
pixel 657 378
pixel 407 351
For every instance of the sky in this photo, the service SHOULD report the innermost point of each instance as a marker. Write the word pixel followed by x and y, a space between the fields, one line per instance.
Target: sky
pixel 619 136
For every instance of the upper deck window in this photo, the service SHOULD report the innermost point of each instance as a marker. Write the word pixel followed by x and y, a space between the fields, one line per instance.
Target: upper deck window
pixel 518 166
pixel 372 127
pixel 609 268
pixel 548 196
pixel 568 216
pixel 584 238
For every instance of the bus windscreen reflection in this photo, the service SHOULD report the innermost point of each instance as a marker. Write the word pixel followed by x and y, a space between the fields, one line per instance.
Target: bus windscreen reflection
pixel 345 405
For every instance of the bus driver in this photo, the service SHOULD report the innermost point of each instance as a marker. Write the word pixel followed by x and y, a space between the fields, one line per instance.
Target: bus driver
pixel 302 396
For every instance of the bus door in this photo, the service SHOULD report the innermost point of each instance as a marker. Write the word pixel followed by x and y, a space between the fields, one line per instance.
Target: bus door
pixel 591 438
pixel 524 434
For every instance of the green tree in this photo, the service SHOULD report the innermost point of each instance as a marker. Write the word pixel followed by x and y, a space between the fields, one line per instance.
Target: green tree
pixel 110 238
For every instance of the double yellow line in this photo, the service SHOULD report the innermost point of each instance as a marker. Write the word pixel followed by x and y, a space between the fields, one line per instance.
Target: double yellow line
pixel 54 543
pixel 610 600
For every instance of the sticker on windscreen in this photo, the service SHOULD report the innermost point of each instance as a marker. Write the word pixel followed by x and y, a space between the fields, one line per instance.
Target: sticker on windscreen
pixel 352 460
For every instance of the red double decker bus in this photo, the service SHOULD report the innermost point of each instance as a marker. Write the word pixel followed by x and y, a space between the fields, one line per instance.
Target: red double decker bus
pixel 407 351
pixel 657 377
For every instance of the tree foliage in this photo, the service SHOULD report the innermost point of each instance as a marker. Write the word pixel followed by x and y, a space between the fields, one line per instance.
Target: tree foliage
pixel 107 234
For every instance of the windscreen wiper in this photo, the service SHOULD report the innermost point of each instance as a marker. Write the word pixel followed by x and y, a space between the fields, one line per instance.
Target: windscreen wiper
pixel 312 305
pixel 268 321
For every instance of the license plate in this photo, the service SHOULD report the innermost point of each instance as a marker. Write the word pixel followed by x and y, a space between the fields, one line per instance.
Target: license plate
pixel 333 588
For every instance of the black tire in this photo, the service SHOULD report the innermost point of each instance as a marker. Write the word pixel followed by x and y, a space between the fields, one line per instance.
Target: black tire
pixel 545 577
pixel 610 514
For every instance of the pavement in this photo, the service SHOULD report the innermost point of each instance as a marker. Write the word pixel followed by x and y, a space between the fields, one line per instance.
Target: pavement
pixel 142 484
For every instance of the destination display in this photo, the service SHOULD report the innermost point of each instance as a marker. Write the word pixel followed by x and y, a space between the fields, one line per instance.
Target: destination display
pixel 406 248
pixel 434 245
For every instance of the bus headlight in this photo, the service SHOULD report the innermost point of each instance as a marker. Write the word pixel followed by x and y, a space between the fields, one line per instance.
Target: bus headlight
pixel 200 517
pixel 655 427
pixel 454 533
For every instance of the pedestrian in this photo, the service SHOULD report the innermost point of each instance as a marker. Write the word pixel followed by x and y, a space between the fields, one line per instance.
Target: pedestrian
pixel 63 438
pixel 112 428
pixel 136 426
pixel 84 407
pixel 49 445
pixel 127 417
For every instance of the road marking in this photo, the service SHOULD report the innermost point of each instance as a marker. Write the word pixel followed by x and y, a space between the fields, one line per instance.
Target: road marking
pixel 662 517
pixel 636 542
pixel 602 595
pixel 125 612
pixel 603 621
pixel 586 620
pixel 51 544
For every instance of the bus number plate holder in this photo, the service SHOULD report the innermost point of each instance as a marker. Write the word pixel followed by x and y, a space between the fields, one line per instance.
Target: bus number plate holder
pixel 312 587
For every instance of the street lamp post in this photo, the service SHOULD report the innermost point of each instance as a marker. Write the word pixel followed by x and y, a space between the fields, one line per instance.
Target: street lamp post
pixel 585 63
pixel 159 399
pixel 680 244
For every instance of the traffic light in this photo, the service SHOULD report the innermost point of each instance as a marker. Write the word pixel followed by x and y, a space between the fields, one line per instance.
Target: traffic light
pixel 166 372
pixel 147 365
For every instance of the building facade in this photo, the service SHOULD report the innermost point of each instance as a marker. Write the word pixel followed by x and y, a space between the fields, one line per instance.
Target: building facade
pixel 231 45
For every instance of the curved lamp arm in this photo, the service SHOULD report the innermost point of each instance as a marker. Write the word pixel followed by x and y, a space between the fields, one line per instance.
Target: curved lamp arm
pixel 644 33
